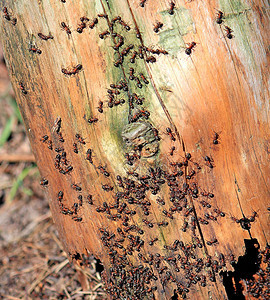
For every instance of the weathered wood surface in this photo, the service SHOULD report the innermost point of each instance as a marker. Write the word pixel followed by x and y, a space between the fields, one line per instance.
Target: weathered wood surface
pixel 221 87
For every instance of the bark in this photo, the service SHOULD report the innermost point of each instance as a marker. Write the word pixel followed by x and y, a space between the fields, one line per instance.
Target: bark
pixel 215 101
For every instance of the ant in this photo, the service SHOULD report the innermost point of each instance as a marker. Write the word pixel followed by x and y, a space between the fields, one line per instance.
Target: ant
pixel 65 27
pixel 220 17
pixel 67 170
pixel 100 107
pixel 6 14
pixel 163 223
pixel 93 23
pixel 84 19
pixel 45 37
pixel 92 120
pixel 80 139
pixel 44 182
pixel 125 25
pixel 142 3
pixel 76 187
pixel 74 71
pixel 50 145
pixel 107 187
pixel 105 16
pixel 75 148
pixel 228 32
pixel 209 162
pixel 133 56
pixel 149 224
pixel 89 154
pixel 219 212
pixel 60 196
pixel 81 27
pixel 235 220
pixel 215 138
pixel 118 18
pixel 172 150
pixel 131 74
pixel 207 194
pixel 150 59
pixel 156 134
pixel 139 85
pixel 190 47
pixel 90 199
pixel 144 79
pixel 160 201
pixel 167 214
pixel 151 243
pixel 22 88
pixel 210 243
pixel 169 132
pixel 171 9
pixel 35 49
pixel 61 139
pixel 157 27
pixel 77 219
pixel 104 34
pixel 103 171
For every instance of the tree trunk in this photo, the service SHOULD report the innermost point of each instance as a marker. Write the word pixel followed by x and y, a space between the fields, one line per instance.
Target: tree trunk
pixel 198 86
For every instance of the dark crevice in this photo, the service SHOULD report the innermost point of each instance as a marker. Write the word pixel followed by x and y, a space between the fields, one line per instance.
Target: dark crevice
pixel 245 268
pixel 99 265
pixel 175 296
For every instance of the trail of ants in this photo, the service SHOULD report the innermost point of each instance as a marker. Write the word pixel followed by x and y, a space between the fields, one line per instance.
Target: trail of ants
pixel 180 139
pixel 117 51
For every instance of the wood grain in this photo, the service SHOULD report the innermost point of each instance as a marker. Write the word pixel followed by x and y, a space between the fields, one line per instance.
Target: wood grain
pixel 221 87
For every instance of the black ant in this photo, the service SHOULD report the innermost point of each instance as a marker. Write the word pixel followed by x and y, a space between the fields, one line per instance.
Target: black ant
pixel 75 148
pixel 220 17
pixel 104 34
pixel 22 88
pixel 157 27
pixel 216 138
pixel 171 9
pixel 93 23
pixel 100 107
pixel 92 120
pixel 90 199
pixel 45 37
pixel 172 150
pixel 151 243
pixel 212 242
pixel 169 132
pixel 35 49
pixel 190 47
pixel 228 32
pixel 6 14
pixel 142 3
pixel 209 162
pixel 89 154
pixel 65 27
pixel 77 219
pixel 44 182
pixel 80 139
pixel 76 187
pixel 74 71
pixel 103 171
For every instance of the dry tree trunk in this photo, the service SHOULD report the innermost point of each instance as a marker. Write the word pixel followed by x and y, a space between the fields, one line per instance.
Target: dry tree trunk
pixel 209 100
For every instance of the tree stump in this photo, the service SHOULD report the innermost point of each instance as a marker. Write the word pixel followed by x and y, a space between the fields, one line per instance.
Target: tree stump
pixel 149 124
